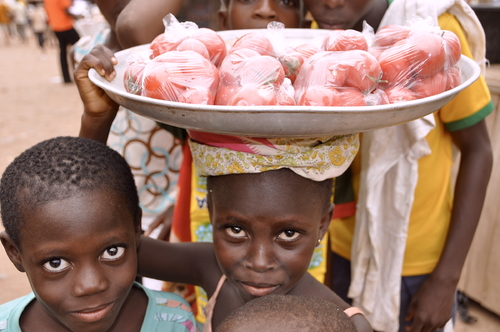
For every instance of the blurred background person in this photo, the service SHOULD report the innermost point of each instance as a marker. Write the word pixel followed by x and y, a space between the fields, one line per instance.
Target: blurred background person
pixel 38 17
pixel 61 22
pixel 5 21
pixel 20 19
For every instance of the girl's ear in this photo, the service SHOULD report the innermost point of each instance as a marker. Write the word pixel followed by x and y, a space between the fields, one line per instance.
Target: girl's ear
pixel 12 251
pixel 325 221
pixel 223 19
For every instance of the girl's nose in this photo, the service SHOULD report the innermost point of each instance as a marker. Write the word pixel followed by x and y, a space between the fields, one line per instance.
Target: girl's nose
pixel 89 280
pixel 265 10
pixel 260 259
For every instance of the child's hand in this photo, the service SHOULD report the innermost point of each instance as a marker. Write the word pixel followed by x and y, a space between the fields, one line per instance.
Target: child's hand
pixel 96 102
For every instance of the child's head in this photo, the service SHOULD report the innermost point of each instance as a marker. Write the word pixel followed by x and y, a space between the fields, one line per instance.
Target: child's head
pixel 269 202
pixel 266 226
pixel 341 14
pixel 239 14
pixel 110 9
pixel 281 313
pixel 72 222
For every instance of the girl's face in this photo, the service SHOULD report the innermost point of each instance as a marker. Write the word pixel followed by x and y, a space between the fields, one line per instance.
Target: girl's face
pixel 256 14
pixel 79 255
pixel 265 230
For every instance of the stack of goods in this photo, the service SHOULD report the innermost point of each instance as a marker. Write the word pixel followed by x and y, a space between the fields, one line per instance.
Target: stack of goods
pixel 192 65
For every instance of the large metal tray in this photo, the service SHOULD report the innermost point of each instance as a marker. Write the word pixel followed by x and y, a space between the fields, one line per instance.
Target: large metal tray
pixel 277 121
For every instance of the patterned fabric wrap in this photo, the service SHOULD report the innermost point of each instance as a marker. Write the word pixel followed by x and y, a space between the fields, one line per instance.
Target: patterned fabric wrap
pixel 313 158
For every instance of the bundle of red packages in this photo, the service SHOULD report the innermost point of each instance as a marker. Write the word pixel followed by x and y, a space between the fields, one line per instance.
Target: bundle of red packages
pixel 186 36
pixel 337 79
pixel 403 63
pixel 248 78
pixel 185 77
pixel 417 62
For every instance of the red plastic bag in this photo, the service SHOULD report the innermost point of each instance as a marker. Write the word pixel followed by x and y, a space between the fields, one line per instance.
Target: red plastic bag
pixel 185 77
pixel 186 36
pixel 350 75
pixel 419 57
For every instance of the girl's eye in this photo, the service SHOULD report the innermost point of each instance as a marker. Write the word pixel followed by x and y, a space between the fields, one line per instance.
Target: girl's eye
pixel 236 232
pixel 113 253
pixel 56 265
pixel 289 235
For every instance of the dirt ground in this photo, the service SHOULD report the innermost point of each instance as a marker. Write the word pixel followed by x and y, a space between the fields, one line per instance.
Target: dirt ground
pixel 34 106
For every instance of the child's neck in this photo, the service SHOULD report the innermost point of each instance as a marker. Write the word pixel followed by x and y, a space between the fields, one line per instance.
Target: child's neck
pixel 374 16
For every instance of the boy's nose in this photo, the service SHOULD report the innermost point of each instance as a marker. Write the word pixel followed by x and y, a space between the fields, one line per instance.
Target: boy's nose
pixel 261 259
pixel 89 280
pixel 265 9
pixel 333 3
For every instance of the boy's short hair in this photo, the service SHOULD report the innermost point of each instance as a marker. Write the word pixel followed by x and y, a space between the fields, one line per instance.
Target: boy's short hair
pixel 288 313
pixel 59 168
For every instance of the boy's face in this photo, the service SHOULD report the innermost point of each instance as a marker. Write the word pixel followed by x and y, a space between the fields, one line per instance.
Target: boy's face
pixel 265 230
pixel 79 255
pixel 256 14
pixel 343 14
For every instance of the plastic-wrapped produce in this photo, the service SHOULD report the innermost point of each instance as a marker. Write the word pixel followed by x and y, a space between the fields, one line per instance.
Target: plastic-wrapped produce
pixel 344 40
pixel 326 74
pixel 185 77
pixel 418 57
pixel 251 79
pixel 186 36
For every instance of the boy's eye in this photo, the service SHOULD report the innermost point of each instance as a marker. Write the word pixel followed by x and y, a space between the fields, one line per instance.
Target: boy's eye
pixel 235 231
pixel 289 3
pixel 113 253
pixel 289 235
pixel 56 265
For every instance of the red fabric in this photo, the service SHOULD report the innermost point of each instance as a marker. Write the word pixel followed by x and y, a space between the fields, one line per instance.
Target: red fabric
pixel 181 220
pixel 344 210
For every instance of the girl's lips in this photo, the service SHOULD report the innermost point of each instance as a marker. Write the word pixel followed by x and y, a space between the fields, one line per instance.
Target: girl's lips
pixel 259 290
pixel 93 315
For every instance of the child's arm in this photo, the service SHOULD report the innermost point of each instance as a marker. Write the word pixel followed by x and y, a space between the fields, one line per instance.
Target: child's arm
pixel 431 306
pixel 99 110
pixel 190 263
pixel 142 20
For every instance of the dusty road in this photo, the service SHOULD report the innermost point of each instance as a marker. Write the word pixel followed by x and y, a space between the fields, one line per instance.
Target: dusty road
pixel 33 107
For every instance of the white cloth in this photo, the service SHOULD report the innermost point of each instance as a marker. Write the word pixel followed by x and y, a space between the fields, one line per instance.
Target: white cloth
pixel 389 175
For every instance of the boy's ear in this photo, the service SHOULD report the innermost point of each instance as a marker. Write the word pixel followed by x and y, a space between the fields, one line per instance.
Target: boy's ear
pixel 138 227
pixel 325 221
pixel 12 251
pixel 223 19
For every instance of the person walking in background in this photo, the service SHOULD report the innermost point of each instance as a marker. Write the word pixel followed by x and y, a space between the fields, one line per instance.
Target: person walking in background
pixel 20 18
pixel 61 22
pixel 38 18
pixel 5 20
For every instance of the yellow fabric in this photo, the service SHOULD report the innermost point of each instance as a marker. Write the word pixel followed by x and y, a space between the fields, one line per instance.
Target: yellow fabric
pixel 431 211
pixel 201 231
pixel 318 158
